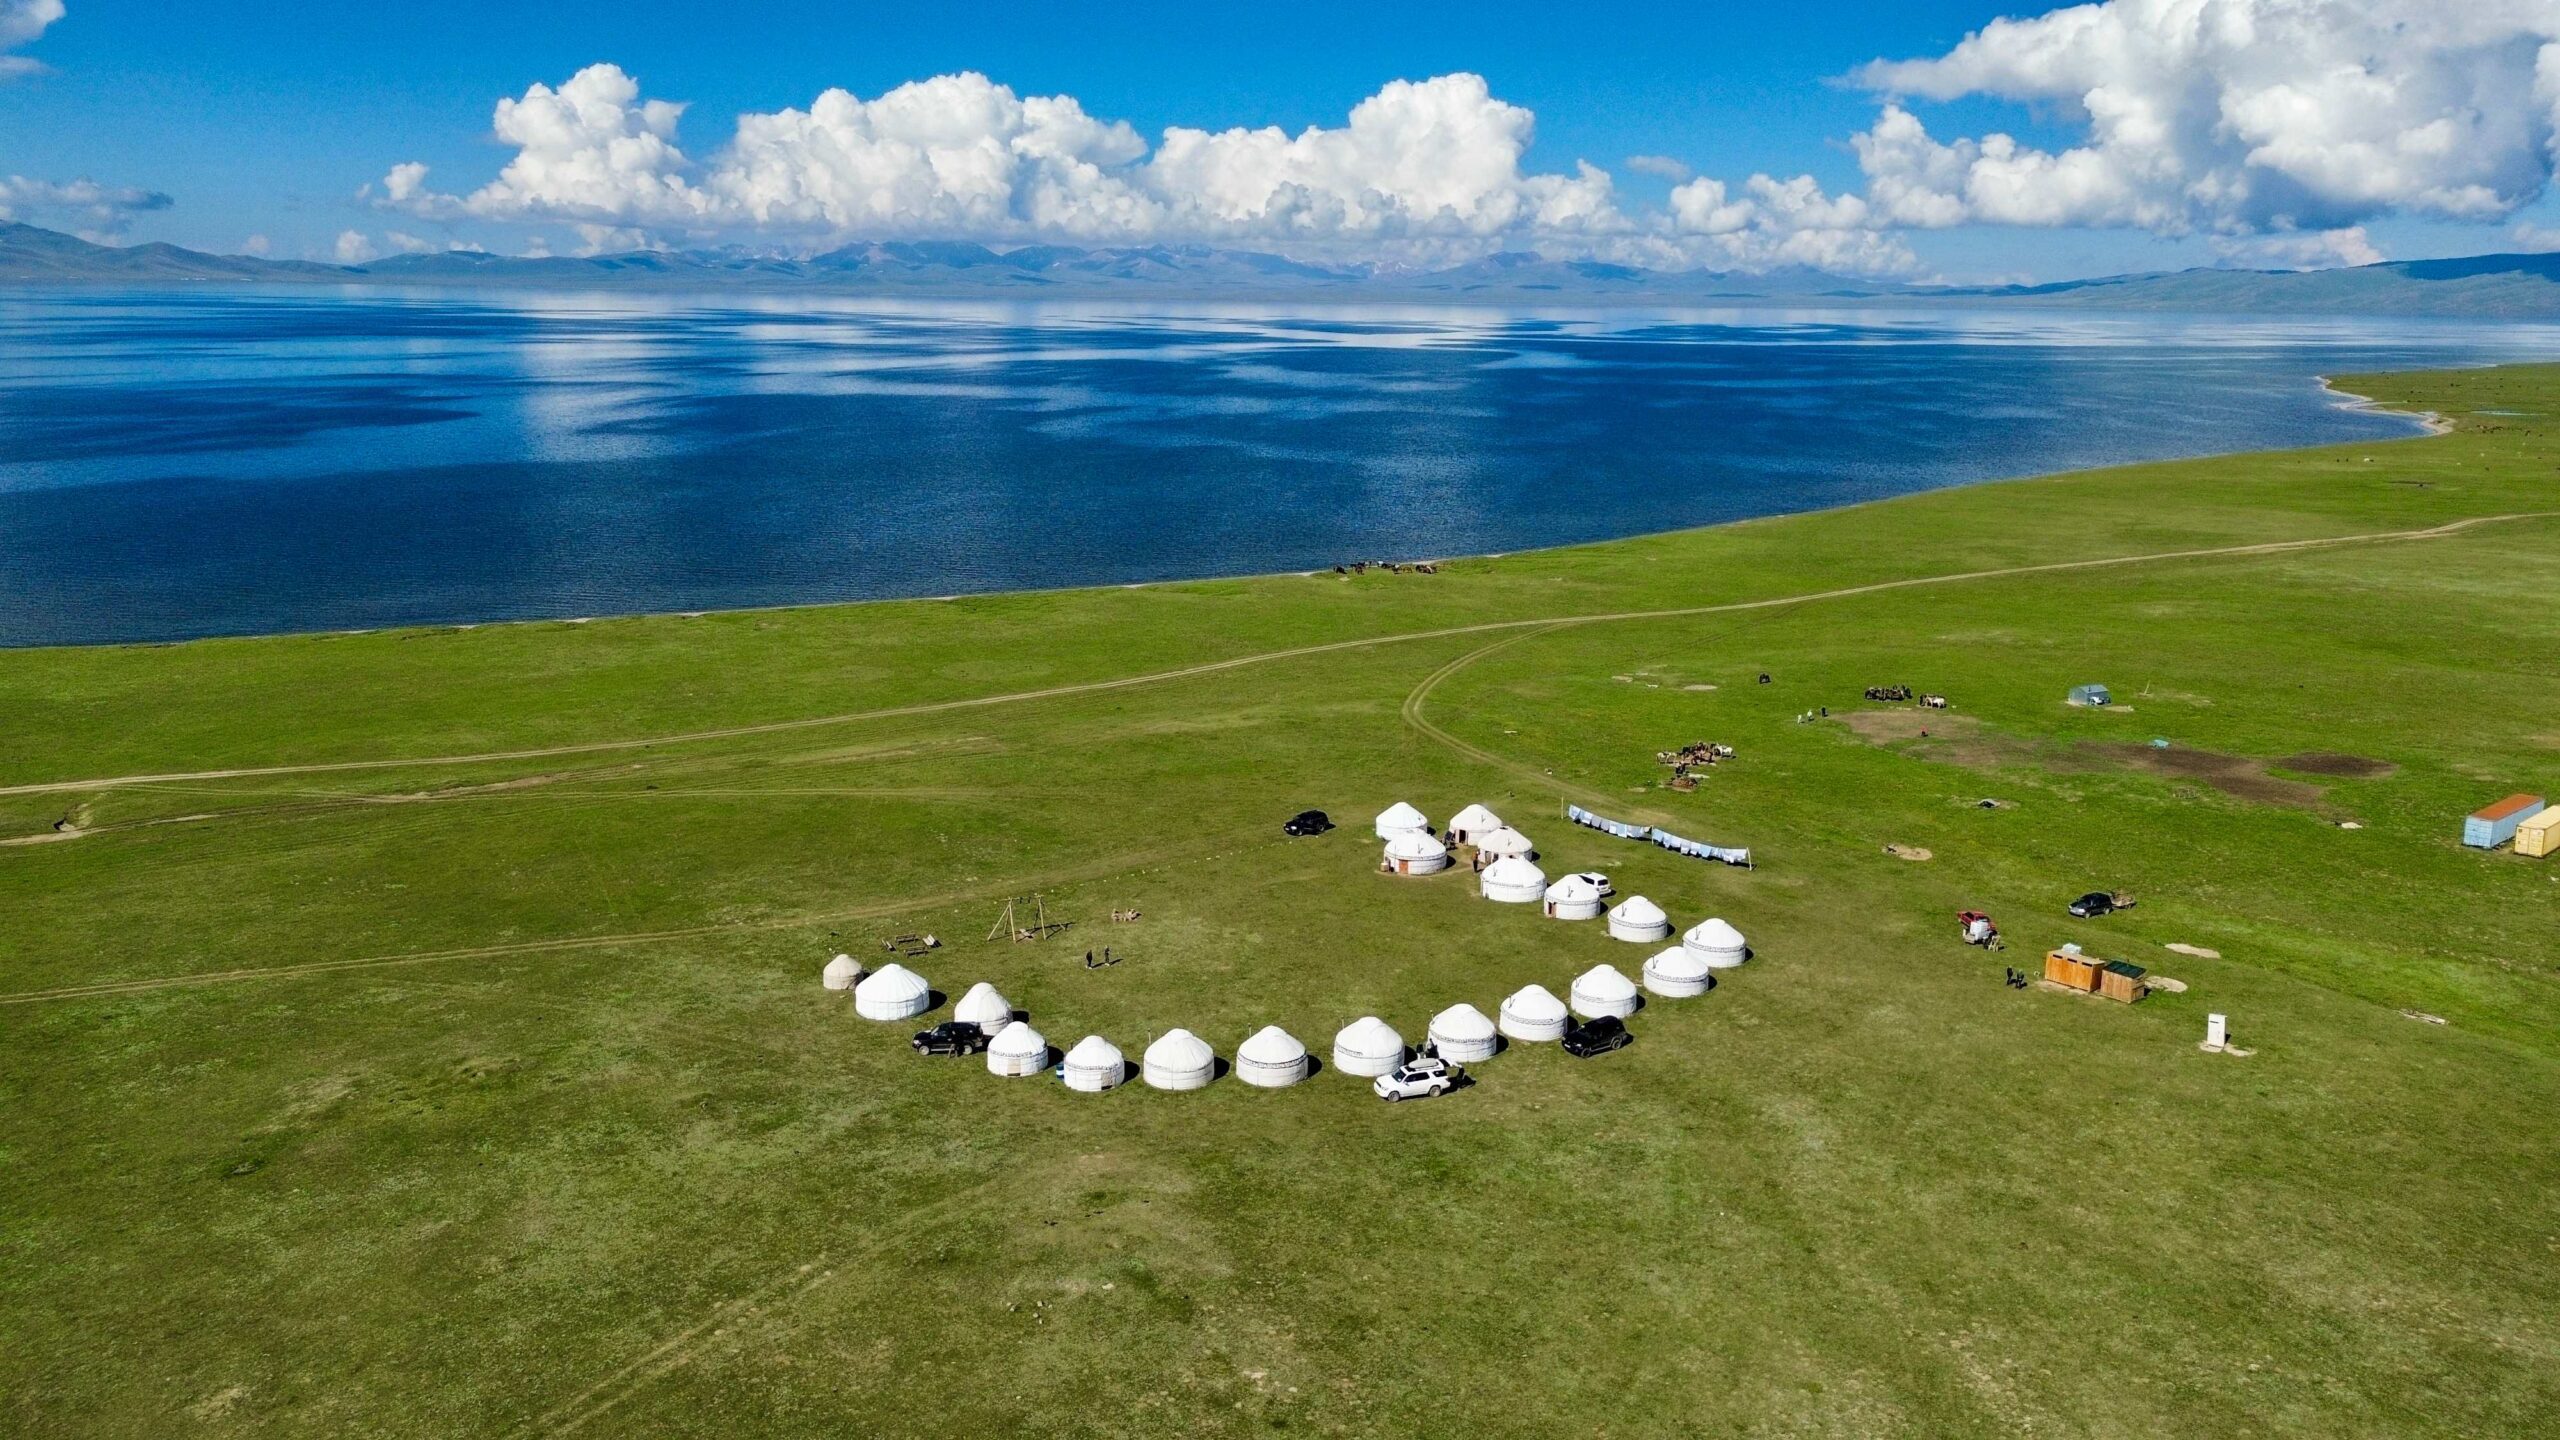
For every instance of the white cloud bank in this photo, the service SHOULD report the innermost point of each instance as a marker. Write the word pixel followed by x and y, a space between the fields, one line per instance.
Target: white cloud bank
pixel 2274 128
pixel 21 21
pixel 98 212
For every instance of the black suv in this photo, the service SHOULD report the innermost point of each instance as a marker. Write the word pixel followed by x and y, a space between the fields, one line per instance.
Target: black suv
pixel 951 1037
pixel 1308 822
pixel 1597 1037
pixel 2093 905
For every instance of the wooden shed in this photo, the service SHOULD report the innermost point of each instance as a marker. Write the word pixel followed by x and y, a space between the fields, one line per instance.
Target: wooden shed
pixel 2121 980
pixel 2539 834
pixel 2495 826
pixel 2071 970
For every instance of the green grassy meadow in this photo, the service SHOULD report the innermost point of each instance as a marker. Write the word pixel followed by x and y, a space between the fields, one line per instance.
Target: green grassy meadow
pixel 500 1097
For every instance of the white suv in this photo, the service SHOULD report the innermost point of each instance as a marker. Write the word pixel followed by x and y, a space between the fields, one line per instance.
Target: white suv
pixel 1425 1078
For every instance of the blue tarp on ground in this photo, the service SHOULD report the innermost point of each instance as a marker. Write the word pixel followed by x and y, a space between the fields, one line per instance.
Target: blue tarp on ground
pixel 1678 845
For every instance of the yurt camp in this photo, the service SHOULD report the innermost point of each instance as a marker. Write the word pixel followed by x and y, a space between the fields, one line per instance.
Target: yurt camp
pixel 1573 898
pixel 1367 1047
pixel 841 973
pixel 1602 990
pixel 1506 843
pixel 1717 943
pixel 1461 1033
pixel 1533 1013
pixel 1677 974
pixel 1272 1058
pixel 1401 816
pixel 1179 1060
pixel 1094 1065
pixel 1414 852
pixel 892 992
pixel 1514 881
pixel 1639 921
pixel 1471 825
pixel 1018 1050
pixel 985 1007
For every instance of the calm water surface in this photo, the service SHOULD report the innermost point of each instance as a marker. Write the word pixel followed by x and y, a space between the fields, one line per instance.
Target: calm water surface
pixel 177 465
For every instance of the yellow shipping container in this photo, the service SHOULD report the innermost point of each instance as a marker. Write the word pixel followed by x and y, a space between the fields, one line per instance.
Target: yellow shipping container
pixel 2539 835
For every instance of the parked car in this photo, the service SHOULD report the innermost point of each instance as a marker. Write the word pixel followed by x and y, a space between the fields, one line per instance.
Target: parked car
pixel 1307 822
pixel 2093 905
pixel 1426 1078
pixel 951 1037
pixel 1597 1037
pixel 1598 881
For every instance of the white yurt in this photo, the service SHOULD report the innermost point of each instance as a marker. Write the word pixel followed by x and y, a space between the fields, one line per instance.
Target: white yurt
pixel 1514 881
pixel 1367 1046
pixel 1601 990
pixel 1717 943
pixel 892 992
pixel 984 1007
pixel 1018 1050
pixel 1271 1059
pixel 1094 1065
pixel 841 973
pixel 1677 974
pixel 1462 1033
pixel 1639 921
pixel 1414 852
pixel 1533 1013
pixel 1401 816
pixel 1573 898
pixel 1505 843
pixel 1179 1060
pixel 1472 824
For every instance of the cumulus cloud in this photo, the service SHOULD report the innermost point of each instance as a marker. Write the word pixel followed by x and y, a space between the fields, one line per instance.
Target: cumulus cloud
pixel 21 21
pixel 1661 167
pixel 354 247
pixel 95 210
pixel 2311 250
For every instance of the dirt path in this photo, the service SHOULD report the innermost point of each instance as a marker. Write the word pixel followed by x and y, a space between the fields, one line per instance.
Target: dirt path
pixel 1527 773
pixel 1158 677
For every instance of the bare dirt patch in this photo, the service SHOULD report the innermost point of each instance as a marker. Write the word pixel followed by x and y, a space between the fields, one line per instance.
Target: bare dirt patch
pixel 1963 740
pixel 2231 774
pixel 2331 763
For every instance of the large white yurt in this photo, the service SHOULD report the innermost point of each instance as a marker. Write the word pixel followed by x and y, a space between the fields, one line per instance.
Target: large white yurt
pixel 1094 1065
pixel 1573 898
pixel 1514 881
pixel 1506 842
pixel 1533 1013
pixel 1017 1050
pixel 1717 943
pixel 1179 1060
pixel 892 992
pixel 1461 1033
pixel 1401 816
pixel 1472 824
pixel 1414 852
pixel 1639 921
pixel 984 1007
pixel 1677 974
pixel 1271 1059
pixel 841 973
pixel 1367 1046
pixel 1601 990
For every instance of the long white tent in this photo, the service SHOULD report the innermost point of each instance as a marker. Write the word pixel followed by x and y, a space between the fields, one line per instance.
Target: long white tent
pixel 1018 1050
pixel 1367 1046
pixel 1639 921
pixel 1472 824
pixel 1533 1013
pixel 892 992
pixel 1717 943
pixel 841 973
pixel 1514 881
pixel 1401 816
pixel 1602 990
pixel 1573 898
pixel 1415 852
pixel 1463 1034
pixel 985 1007
pixel 1179 1060
pixel 1677 974
pixel 1272 1058
pixel 1094 1065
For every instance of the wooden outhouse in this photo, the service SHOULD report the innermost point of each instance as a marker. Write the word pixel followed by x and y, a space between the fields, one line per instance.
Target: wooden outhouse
pixel 2071 970
pixel 2121 980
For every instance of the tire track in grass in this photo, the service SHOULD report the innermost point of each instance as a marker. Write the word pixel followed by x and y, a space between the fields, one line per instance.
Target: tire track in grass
pixel 1158 677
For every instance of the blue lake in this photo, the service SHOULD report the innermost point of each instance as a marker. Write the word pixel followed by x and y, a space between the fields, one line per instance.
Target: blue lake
pixel 226 462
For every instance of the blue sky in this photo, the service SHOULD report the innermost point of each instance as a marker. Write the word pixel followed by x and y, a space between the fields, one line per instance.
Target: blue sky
pixel 266 119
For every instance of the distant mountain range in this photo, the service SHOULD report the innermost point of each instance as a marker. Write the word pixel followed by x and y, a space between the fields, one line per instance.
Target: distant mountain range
pixel 2485 286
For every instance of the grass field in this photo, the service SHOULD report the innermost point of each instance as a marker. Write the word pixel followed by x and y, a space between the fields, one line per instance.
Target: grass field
pixel 421 1035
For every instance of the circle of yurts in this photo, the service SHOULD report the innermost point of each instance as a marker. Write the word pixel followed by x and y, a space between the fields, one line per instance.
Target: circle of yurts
pixel 1602 990
pixel 1639 921
pixel 1573 898
pixel 1462 1033
pixel 892 992
pixel 985 1007
pixel 1505 842
pixel 1095 1065
pixel 1414 852
pixel 1401 816
pixel 1514 881
pixel 841 973
pixel 1717 943
pixel 1272 1058
pixel 1018 1050
pixel 1179 1060
pixel 1677 974
pixel 1367 1047
pixel 1472 824
pixel 1533 1013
